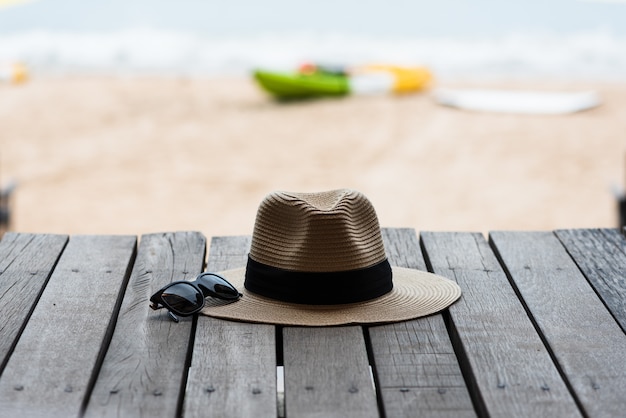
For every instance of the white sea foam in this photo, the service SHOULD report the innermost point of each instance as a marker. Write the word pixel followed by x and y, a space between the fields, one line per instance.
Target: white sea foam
pixel 586 55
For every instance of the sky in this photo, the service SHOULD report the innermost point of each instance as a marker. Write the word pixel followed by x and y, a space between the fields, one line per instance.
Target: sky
pixel 406 18
pixel 543 37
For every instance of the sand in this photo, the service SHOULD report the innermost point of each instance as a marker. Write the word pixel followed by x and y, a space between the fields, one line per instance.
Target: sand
pixel 136 155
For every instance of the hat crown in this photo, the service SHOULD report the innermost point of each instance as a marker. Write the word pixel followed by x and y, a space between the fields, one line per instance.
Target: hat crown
pixel 330 231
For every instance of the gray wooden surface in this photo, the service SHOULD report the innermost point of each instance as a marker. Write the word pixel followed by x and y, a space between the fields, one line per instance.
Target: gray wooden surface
pixel 539 331
pixel 50 373
pixel 601 256
pixel 584 338
pixel 495 339
pixel 26 262
pixel 326 373
pixel 146 363
pixel 416 367
pixel 233 368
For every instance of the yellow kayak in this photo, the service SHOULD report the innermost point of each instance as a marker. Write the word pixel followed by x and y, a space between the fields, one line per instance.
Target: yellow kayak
pixel 15 73
pixel 405 79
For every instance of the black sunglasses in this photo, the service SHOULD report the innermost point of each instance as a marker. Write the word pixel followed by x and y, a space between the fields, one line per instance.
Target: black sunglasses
pixel 183 298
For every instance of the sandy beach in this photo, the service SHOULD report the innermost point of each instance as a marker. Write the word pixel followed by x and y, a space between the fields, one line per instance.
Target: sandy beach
pixel 136 155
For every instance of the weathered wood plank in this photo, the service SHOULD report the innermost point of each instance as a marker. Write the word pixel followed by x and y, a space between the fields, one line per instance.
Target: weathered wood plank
pixel 582 335
pixel 26 263
pixel 52 367
pixel 327 373
pixel 507 366
pixel 228 252
pixel 145 367
pixel 403 248
pixel 414 363
pixel 233 369
pixel 418 372
pixel 601 256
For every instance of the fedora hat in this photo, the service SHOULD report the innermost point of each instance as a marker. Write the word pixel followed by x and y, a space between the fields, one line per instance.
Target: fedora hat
pixel 318 259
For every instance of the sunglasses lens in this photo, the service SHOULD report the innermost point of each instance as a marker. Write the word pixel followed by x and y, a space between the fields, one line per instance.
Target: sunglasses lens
pixel 183 298
pixel 216 286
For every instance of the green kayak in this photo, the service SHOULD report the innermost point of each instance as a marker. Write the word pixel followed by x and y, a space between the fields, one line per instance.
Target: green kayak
pixel 285 85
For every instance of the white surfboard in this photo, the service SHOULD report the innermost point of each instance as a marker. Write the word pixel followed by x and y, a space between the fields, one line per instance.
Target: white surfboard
pixel 517 101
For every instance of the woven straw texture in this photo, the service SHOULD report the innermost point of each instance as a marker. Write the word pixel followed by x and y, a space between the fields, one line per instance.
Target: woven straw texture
pixel 317 232
pixel 415 294
pixel 328 232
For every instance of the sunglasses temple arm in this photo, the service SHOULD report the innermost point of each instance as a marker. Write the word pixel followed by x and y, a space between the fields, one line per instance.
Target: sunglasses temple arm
pixel 173 317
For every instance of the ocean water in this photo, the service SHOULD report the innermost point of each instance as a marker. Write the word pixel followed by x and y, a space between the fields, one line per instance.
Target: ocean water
pixel 482 38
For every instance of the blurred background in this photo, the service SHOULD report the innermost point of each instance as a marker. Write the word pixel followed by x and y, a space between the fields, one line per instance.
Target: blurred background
pixel 137 117
pixel 555 38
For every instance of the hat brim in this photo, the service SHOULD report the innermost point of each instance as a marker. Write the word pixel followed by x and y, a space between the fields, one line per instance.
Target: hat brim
pixel 415 294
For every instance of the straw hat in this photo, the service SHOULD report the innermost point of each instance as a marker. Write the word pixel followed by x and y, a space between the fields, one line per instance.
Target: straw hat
pixel 318 259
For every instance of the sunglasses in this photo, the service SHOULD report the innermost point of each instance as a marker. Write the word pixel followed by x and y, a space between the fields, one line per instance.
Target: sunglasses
pixel 184 298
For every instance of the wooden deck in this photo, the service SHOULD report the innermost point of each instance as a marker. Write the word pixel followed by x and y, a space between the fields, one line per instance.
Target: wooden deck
pixel 538 332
